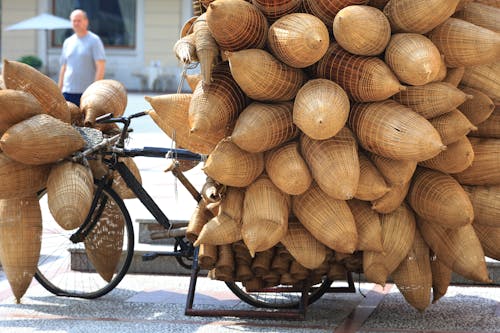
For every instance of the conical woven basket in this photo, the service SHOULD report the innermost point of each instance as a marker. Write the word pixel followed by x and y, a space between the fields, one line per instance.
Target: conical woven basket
pixel 462 4
pixel 413 58
pixel 398 231
pixel 327 9
pixel 413 277
pixel 185 49
pixel 458 248
pixel 241 252
pixel 329 220
pixel 232 203
pixel 262 262
pixel 230 165
pixel 362 30
pixel 220 230
pixel 70 189
pixel 482 15
pixel 280 264
pixel 478 108
pixel 393 130
pixel 242 272
pixel 391 201
pixel 452 126
pixel 380 4
pixel 263 126
pixel 334 163
pixel 16 106
pixel 225 261
pixel 76 114
pixel 489 237
pixel 394 171
pixel 200 216
pixel 490 128
pixel 368 226
pixel 207 50
pixel 493 3
pixel 466 44
pixel 287 169
pixel 119 185
pixel 207 256
pixel 457 157
pixel 336 272
pixel 20 241
pixel 365 79
pixel 19 76
pixel 443 71
pixel 371 185
pixel 484 78
pixel 101 97
pixel 264 78
pixel 485 169
pixel 486 203
pixel 418 16
pixel 298 40
pixel 237 25
pixel 439 198
pixel 274 9
pixel 441 278
pixel 193 80
pixel 454 75
pixel 321 109
pixel 297 271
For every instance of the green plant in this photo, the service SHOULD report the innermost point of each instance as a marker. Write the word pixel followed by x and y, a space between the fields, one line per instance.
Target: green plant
pixel 31 60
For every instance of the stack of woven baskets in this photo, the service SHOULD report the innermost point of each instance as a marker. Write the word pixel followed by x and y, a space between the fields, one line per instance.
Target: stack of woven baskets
pixel 349 135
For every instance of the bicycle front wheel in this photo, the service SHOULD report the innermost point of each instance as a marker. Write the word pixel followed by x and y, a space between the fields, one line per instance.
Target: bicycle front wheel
pixel 93 267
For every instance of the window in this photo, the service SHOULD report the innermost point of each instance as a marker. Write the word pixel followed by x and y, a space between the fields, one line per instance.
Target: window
pixel 113 20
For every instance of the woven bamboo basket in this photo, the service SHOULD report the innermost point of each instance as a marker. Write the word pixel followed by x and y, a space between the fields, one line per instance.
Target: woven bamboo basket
pixel 458 248
pixel 321 109
pixel 200 216
pixel 20 241
pixel 336 272
pixel 493 3
pixel 101 97
pixel 371 185
pixel 482 15
pixel 298 40
pixel 19 76
pixel 365 79
pixel 230 165
pixel 391 201
pixel 490 128
pixel 232 203
pixel 280 265
pixel 241 252
pixel 486 203
pixel 433 99
pixel 485 169
pixel 362 30
pixel 185 49
pixel 41 139
pixel 443 71
pixel 413 277
pixel 274 9
pixel 76 114
pixel 368 226
pixel 192 80
pixel 478 108
pixel 298 271
pixel 327 9
pixel 104 243
pixel 207 50
pixel 454 75
pixel 263 126
pixel 287 169
pixel 418 16
pixel 225 262
pixel 452 126
pixel 242 272
pixel 237 25
pixel 413 58
pixel 329 220
pixel 457 157
pixel 16 106
pixel 21 180
pixel 380 4
pixel 261 263
pixel 265 215
pixel 70 190
pixel 119 185
pixel 484 78
pixel 398 231
pixel 462 4
pixel 466 44
pixel 264 78
pixel 439 198
pixel 394 171
pixel 489 237
pixel 207 256
pixel 334 163
pixel 395 131
pixel 441 278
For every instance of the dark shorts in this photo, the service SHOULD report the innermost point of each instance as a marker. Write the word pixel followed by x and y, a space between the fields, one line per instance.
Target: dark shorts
pixel 74 98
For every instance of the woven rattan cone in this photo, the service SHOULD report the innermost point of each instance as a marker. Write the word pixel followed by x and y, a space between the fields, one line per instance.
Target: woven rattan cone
pixel 40 139
pixel 367 225
pixel 493 3
pixel 489 237
pixel 362 30
pixel 443 70
pixel 457 157
pixel 237 25
pixel 394 171
pixel 232 203
pixel 20 241
pixel 101 97
pixel 262 262
pixel 490 128
pixel 458 248
pixel 200 216
pixel 220 230
pixel 207 50
pixel 70 191
pixel 454 75
pixel 230 165
pixel 287 280
pixel 192 80
pixel 462 4
pixel 280 265
pixel 441 278
pixel 433 99
pixel 452 126
pixel 418 16
pixel 104 243
pixel 393 130
pixel 327 9
pixel 334 163
pixel 486 203
pixel 185 49
pixel 16 106
pixel 241 253
pixel 398 231
pixel 225 259
pixel 485 169
pixel 274 9
pixel 329 220
pixel 21 180
pixel 264 78
pixel 413 58
pixel 287 169
pixel 439 198
pixel 466 44
pixel 271 279
pixel 297 271
pixel 484 78
pixel 413 276
pixel 207 256
pixel 263 126
pixel 321 108
pixel 254 284
pixel 242 272
pixel 365 79
pixel 478 108
pixel 372 184
pixel 19 76
pixel 76 114
pixel 298 40
pixel 119 184
pixel 390 201
pixel 482 15
pixel 380 4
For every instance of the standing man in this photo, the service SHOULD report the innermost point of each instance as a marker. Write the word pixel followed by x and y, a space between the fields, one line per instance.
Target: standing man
pixel 82 59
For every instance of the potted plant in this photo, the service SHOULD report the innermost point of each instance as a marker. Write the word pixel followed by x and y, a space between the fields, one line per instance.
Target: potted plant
pixel 31 60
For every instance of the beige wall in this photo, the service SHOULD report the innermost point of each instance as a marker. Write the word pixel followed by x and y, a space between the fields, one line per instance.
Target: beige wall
pixel 18 43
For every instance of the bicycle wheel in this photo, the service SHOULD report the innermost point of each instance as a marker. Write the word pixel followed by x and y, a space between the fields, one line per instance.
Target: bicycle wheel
pixel 279 297
pixel 69 269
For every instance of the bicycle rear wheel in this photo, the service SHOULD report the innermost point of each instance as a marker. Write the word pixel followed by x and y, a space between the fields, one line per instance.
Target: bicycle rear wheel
pixel 69 269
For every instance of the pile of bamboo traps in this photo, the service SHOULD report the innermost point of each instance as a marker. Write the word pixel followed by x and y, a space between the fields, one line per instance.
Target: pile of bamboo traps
pixel 348 136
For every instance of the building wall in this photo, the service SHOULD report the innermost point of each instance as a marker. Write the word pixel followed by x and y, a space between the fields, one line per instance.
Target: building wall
pixel 23 42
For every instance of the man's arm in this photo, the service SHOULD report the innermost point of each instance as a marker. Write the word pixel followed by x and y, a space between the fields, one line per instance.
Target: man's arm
pixel 61 76
pixel 100 66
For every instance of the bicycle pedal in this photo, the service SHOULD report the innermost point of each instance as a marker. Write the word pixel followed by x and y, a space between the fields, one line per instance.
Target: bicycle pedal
pixel 149 256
